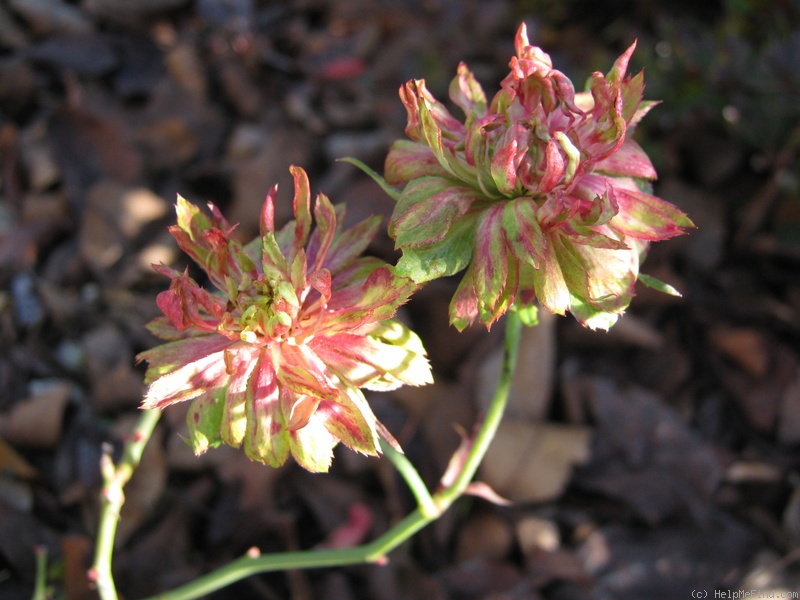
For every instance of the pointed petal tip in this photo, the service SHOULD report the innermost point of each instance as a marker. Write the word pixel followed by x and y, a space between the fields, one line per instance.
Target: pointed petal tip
pixel 522 37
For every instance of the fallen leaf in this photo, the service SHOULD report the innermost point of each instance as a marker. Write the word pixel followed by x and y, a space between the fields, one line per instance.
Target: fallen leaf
pixel 76 550
pixel 537 533
pixel 746 347
pixel 479 577
pixel 662 563
pixel 48 17
pixel 533 462
pixel 646 456
pixel 485 535
pixel 109 362
pixel 37 420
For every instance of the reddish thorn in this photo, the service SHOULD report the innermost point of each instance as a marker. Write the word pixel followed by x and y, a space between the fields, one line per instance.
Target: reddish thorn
pixel 92 574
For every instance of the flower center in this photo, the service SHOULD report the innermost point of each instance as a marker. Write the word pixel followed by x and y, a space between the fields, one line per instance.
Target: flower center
pixel 264 311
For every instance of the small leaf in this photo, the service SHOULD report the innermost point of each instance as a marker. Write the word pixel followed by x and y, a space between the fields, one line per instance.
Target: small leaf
pixel 659 285
pixel 393 192
pixel 485 491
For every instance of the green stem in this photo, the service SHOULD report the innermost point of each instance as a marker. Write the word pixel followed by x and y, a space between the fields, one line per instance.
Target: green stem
pixel 429 509
pixel 40 589
pixel 373 552
pixel 114 479
pixel 413 479
pixel 494 414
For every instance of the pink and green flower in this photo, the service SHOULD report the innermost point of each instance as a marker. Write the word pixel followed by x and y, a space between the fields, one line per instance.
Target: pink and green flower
pixel 541 194
pixel 274 359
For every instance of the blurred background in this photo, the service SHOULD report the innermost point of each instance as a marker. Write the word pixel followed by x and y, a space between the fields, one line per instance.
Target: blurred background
pixel 659 458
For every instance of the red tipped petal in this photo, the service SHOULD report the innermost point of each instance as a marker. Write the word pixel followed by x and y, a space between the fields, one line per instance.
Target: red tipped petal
pixel 187 381
pixel 302 208
pixel 267 220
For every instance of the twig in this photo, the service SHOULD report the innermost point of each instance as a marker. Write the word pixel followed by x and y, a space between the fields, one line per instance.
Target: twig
pixel 115 477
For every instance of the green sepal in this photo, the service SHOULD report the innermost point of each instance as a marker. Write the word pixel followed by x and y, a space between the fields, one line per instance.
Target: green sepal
pixel 444 258
pixel 657 284
pixel 590 316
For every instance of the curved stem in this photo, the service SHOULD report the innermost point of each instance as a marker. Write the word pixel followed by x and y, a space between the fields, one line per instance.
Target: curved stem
pixel 114 479
pixel 430 507
pixel 409 473
pixel 494 414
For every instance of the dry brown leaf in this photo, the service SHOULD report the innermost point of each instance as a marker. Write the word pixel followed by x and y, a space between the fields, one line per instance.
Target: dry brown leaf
pixel 443 411
pixel 239 87
pixel 187 70
pixel 109 360
pixel 12 34
pixel 254 177
pixel 255 480
pixel 532 462
pixel 483 578
pixel 13 464
pixel 44 208
pixel 49 17
pixel 646 456
pixel 37 420
pixel 664 562
pixel 762 398
pixel 20 534
pixel 76 550
pixel 746 347
pixel 91 140
pixel 484 535
pixel 537 533
pixel 38 159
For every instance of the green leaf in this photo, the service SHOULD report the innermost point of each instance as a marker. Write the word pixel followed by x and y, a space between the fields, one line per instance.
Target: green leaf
pixel 428 209
pixel 444 258
pixel 591 317
pixel 393 192
pixel 204 420
pixel 659 285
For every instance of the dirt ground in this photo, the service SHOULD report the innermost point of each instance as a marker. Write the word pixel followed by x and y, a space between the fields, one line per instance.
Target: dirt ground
pixel 647 462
